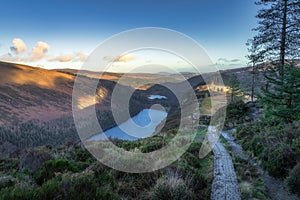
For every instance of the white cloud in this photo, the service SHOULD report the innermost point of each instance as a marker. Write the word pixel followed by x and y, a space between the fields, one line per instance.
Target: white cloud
pixel 66 58
pixel 81 56
pixel 121 58
pixel 39 51
pixel 19 46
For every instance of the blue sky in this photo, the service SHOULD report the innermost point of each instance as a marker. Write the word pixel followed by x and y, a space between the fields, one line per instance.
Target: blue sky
pixel 70 30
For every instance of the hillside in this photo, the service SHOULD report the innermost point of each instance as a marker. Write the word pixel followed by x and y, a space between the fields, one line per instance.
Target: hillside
pixel 134 80
pixel 28 93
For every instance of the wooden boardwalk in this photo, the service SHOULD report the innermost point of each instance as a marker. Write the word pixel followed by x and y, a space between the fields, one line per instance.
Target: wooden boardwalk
pixel 225 185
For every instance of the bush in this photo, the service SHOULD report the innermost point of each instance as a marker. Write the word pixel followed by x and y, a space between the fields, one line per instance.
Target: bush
pixel 20 191
pixel 74 186
pixel 278 160
pixel 107 195
pixel 293 180
pixel 172 186
pixel 277 147
pixel 80 185
pixel 51 189
pixel 50 167
pixel 7 165
pixel 7 181
pixel 236 112
pixel 81 155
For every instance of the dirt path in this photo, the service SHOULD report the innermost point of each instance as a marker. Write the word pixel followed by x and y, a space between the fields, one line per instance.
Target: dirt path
pixel 225 185
pixel 276 188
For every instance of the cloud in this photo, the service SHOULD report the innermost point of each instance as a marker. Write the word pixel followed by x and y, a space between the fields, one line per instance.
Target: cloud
pixel 65 58
pixel 39 51
pixel 122 58
pixel 225 60
pixel 18 46
pixel 81 56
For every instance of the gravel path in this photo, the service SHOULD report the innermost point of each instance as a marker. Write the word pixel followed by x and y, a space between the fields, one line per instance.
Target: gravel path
pixel 276 188
pixel 225 185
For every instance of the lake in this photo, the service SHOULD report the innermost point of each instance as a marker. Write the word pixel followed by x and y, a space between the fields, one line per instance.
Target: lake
pixel 140 126
pixel 156 97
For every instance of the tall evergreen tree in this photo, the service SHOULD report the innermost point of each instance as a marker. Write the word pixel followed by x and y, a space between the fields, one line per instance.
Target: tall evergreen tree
pixel 278 32
pixel 278 39
pixel 235 93
pixel 254 59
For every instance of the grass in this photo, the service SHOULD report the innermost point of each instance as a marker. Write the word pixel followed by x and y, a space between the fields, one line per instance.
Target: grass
pixel 250 181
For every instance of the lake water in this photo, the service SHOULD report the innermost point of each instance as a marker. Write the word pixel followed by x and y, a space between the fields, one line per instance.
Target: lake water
pixel 156 97
pixel 140 126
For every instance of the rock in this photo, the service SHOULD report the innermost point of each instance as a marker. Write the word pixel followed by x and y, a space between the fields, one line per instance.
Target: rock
pixel 33 159
pixel 7 150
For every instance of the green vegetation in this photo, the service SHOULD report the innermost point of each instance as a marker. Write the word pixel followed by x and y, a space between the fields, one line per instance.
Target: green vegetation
pixel 282 100
pixel 293 180
pixel 274 139
pixel 74 174
pixel 235 93
pixel 250 181
pixel 277 147
pixel 236 113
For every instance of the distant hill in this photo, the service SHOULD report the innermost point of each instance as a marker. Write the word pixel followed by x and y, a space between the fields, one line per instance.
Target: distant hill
pixel 244 75
pixel 28 93
pixel 134 80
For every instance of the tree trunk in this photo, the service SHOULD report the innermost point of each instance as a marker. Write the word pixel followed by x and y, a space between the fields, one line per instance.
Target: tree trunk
pixel 252 85
pixel 283 38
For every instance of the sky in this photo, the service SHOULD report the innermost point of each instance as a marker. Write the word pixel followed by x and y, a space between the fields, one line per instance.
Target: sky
pixel 62 33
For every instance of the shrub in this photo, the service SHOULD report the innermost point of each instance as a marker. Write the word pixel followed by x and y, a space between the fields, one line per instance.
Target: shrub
pixel 7 181
pixel 293 180
pixel 107 195
pixel 236 111
pixel 9 165
pixel 172 186
pixel 74 186
pixel 278 160
pixel 50 167
pixel 51 189
pixel 81 155
pixel 20 191
pixel 79 185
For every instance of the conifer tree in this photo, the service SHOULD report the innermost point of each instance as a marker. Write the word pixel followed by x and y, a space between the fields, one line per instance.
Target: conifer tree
pixel 282 101
pixel 235 93
pixel 278 32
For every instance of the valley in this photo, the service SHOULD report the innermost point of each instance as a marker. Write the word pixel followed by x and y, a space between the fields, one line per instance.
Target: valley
pixel 38 131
